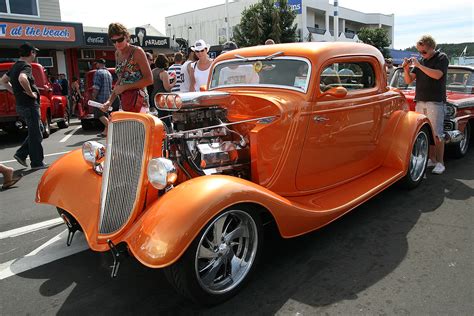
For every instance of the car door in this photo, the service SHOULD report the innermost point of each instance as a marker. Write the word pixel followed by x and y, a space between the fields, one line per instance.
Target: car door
pixel 343 132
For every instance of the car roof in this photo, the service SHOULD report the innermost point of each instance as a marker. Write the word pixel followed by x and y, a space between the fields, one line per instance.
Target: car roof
pixel 315 51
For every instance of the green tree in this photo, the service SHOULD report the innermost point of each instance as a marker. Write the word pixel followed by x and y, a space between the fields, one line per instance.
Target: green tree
pixel 377 37
pixel 265 20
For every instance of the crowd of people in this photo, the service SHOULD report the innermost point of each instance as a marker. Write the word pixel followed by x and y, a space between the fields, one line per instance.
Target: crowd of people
pixel 140 77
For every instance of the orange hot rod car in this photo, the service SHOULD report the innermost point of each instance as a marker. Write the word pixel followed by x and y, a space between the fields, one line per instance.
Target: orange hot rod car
pixel 298 134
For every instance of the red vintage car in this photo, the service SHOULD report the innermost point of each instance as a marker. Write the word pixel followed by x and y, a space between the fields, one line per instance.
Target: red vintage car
pixel 86 112
pixel 54 108
pixel 459 105
pixel 295 134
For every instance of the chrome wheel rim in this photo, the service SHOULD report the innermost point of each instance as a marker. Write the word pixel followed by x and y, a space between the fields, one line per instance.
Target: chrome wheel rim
pixel 419 156
pixel 464 143
pixel 226 252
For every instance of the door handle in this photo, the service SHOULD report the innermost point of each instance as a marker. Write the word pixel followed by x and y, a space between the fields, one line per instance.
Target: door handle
pixel 319 119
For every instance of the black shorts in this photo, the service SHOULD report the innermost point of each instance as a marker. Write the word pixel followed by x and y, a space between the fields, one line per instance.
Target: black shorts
pixel 98 113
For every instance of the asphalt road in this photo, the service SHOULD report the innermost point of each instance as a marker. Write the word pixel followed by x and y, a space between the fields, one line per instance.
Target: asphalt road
pixel 402 253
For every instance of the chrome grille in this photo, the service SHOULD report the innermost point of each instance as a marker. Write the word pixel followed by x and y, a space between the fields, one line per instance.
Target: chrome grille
pixel 122 172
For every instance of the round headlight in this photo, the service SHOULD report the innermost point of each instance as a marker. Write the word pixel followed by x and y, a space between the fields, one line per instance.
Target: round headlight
pixel 161 172
pixel 450 111
pixel 93 152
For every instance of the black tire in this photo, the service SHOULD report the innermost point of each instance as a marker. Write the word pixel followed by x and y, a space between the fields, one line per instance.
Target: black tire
pixel 87 125
pixel 11 129
pixel 47 126
pixel 418 160
pixel 65 122
pixel 459 150
pixel 190 274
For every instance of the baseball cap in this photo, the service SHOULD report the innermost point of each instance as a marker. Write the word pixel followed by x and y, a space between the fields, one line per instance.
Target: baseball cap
pixel 200 45
pixel 100 61
pixel 227 46
pixel 26 48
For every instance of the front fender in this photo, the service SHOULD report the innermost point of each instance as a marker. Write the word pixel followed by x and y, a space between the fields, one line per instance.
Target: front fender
pixel 71 184
pixel 170 224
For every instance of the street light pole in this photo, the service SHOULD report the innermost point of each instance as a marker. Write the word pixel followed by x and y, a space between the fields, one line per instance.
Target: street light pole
pixel 189 28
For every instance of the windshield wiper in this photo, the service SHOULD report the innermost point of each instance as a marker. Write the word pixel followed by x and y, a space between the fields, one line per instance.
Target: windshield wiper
pixel 270 57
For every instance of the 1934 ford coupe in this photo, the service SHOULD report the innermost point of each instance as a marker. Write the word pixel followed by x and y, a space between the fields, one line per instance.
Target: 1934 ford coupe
pixel 298 134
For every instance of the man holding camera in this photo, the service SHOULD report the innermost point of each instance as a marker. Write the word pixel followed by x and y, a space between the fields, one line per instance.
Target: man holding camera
pixel 430 94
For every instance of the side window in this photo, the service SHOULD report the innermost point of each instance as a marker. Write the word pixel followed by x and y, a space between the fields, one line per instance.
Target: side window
pixel 352 76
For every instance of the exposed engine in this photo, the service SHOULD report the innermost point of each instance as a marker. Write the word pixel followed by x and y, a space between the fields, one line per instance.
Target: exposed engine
pixel 202 142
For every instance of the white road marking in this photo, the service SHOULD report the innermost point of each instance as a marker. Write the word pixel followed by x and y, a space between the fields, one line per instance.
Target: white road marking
pixel 30 228
pixel 48 155
pixel 65 138
pixel 52 250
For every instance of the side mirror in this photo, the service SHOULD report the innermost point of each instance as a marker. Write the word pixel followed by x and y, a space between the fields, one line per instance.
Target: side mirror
pixel 337 92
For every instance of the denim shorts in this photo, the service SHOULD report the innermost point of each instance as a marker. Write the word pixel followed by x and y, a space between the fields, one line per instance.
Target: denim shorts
pixel 435 113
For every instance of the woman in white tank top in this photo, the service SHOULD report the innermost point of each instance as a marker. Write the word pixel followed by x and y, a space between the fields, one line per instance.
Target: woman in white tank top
pixel 200 69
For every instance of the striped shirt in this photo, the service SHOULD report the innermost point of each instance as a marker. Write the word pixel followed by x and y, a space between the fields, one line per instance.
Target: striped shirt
pixel 176 68
pixel 103 84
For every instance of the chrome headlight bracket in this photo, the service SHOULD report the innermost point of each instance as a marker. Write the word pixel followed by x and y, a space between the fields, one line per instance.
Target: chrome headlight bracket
pixel 94 154
pixel 161 173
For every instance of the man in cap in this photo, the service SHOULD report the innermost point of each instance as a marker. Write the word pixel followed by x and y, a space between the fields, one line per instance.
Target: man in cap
pixel 102 88
pixel 19 80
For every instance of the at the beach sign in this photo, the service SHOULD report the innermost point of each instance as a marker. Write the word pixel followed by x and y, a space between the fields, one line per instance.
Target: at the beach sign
pixel 37 32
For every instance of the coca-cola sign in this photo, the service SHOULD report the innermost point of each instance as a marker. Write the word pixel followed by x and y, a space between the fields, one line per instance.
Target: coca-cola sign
pixel 95 39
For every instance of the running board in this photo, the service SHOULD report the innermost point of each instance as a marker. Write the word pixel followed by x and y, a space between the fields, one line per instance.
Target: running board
pixel 349 195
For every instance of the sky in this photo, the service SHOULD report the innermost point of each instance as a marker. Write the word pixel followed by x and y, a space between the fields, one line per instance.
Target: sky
pixel 449 21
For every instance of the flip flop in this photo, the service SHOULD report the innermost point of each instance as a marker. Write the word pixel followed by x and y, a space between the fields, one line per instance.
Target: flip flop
pixel 10 183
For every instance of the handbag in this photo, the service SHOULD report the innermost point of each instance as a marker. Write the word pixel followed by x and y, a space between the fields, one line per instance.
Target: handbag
pixel 131 100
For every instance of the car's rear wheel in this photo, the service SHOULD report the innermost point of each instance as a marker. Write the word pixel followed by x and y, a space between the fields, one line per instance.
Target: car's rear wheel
pixel 87 125
pixel 460 149
pixel 65 122
pixel 418 160
pixel 221 259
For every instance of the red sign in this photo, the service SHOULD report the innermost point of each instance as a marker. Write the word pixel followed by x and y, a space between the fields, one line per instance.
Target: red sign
pixel 37 32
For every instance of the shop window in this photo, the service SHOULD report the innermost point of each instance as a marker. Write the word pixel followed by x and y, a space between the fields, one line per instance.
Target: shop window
pixel 46 62
pixel 23 7
pixel 88 54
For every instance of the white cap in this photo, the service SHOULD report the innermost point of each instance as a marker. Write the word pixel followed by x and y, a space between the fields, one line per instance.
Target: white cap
pixel 200 45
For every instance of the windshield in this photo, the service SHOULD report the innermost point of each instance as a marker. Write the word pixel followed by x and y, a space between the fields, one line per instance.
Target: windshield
pixel 458 80
pixel 287 72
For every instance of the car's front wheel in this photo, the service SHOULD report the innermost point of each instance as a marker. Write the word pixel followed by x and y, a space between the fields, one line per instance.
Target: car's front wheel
pixel 418 160
pixel 221 259
pixel 47 126
pixel 459 150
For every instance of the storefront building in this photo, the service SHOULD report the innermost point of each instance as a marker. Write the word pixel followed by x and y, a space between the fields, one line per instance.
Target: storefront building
pixel 39 22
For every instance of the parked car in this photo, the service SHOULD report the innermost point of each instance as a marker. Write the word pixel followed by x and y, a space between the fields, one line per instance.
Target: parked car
pixel 54 108
pixel 276 136
pixel 86 112
pixel 459 105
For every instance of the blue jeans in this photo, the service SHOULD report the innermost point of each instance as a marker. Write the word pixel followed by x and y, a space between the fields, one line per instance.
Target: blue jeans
pixel 32 144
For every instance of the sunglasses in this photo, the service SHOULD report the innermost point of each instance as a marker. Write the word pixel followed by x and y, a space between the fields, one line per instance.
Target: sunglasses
pixel 117 40
pixel 199 51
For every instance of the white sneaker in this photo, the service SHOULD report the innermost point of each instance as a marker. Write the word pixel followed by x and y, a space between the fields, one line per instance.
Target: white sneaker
pixel 439 168
pixel 431 164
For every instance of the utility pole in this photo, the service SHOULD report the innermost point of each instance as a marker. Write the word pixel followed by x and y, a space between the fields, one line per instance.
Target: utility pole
pixel 336 20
